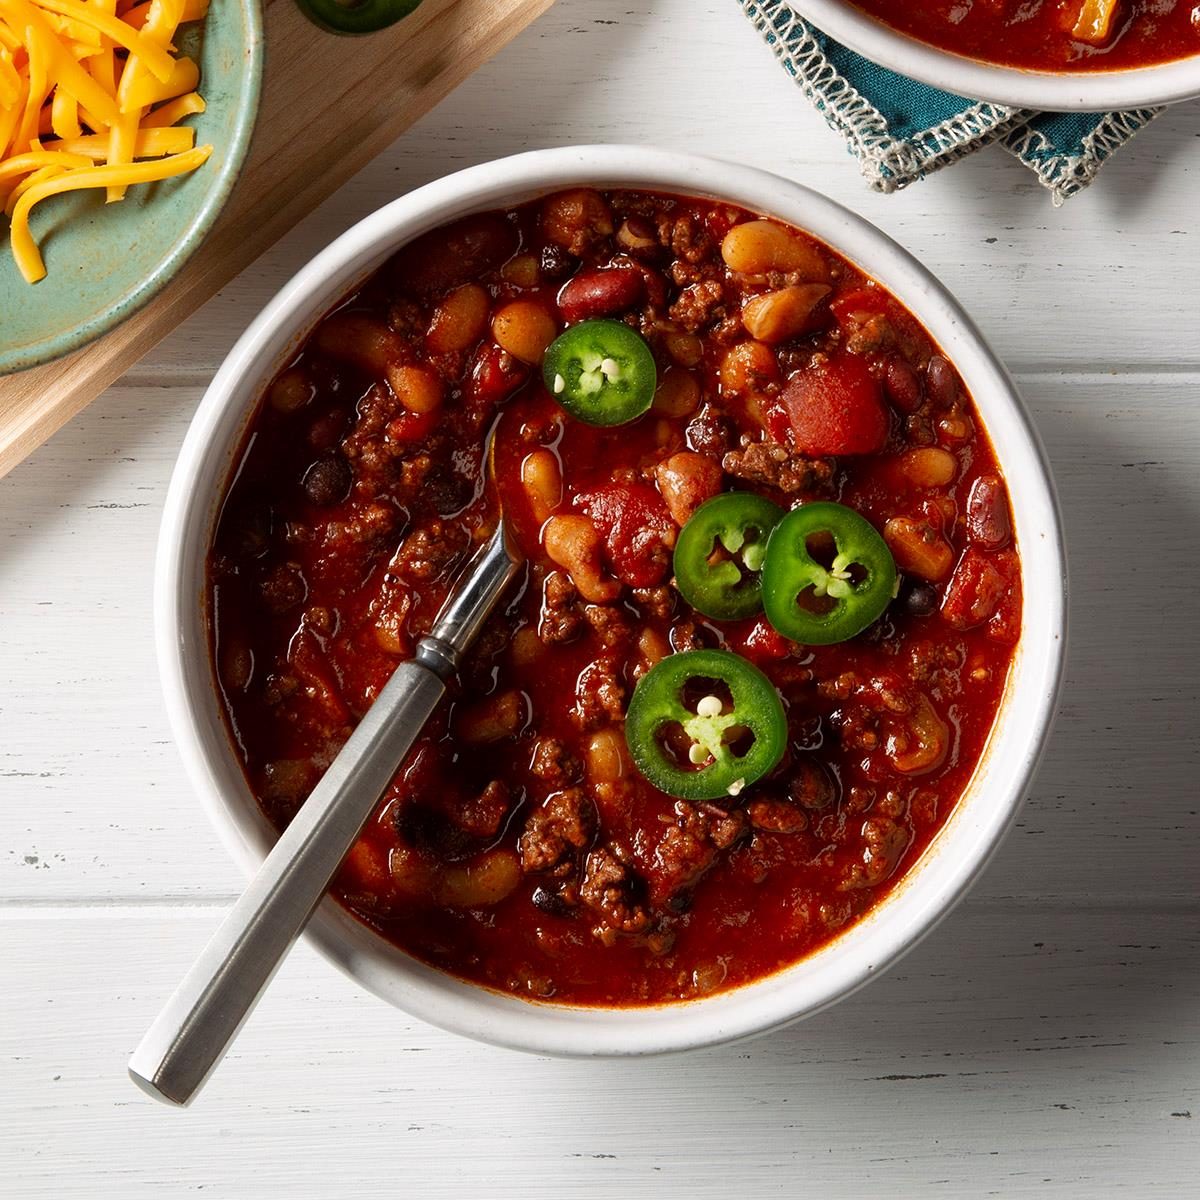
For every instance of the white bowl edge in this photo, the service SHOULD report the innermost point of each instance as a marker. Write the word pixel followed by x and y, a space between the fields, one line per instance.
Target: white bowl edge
pixel 1055 91
pixel 962 848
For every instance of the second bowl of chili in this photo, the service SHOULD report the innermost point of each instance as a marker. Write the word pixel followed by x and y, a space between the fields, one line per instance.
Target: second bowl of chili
pixel 349 422
pixel 1059 55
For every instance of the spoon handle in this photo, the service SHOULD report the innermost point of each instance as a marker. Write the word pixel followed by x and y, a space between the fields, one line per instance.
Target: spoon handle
pixel 202 1018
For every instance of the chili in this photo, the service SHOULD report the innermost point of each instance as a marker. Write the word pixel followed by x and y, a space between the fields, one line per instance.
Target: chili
pixel 520 845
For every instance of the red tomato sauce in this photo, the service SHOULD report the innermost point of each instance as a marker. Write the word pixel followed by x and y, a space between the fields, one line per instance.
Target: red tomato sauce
pixel 518 847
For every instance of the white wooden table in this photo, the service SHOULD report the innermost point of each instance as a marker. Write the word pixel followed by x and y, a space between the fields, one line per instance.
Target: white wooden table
pixel 1044 1042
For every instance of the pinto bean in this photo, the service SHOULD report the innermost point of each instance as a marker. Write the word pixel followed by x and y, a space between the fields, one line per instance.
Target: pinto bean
pixel 678 393
pixel 526 647
pixel 453 255
pixel 918 548
pixel 779 316
pixel 523 271
pixel 480 883
pixel 988 522
pixel 757 247
pixel 492 719
pixel 524 328
pixel 575 544
pixel 417 388
pixel 576 219
pixel 541 478
pixel 684 348
pixel 927 467
pixel 686 480
pixel 292 391
pixel 607 757
pixel 747 368
pixel 359 339
pixel 459 320
pixel 601 293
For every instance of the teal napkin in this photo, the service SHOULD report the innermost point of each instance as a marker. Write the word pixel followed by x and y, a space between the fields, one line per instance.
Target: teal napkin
pixel 901 130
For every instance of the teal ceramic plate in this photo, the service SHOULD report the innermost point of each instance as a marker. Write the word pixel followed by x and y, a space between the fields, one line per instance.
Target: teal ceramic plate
pixel 105 261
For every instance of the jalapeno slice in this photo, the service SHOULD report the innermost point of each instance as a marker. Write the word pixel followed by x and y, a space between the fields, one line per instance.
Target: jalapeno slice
pixel 720 552
pixel 705 724
pixel 356 16
pixel 819 605
pixel 601 372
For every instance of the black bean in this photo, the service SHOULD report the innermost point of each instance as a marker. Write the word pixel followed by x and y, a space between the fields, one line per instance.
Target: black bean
pixel 918 599
pixel 556 263
pixel 328 481
pixel 550 902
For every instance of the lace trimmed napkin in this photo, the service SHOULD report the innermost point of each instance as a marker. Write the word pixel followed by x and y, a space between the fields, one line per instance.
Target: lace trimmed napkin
pixel 901 130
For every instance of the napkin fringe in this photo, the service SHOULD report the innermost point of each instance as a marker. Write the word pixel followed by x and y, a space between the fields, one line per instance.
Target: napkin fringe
pixel 1064 162
pixel 1066 174
pixel 887 163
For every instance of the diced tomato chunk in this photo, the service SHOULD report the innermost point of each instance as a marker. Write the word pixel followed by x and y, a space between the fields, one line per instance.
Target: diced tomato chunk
pixel 836 408
pixel 762 643
pixel 636 527
pixel 979 585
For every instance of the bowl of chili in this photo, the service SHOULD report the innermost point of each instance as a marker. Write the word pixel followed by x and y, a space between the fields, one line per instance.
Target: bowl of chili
pixel 1077 55
pixel 328 484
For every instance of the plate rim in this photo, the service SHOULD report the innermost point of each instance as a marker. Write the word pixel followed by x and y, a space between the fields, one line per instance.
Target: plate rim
pixel 56 346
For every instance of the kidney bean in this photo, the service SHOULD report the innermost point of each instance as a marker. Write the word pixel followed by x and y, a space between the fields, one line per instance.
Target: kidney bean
pixel 941 382
pixel 454 255
pixel 988 522
pixel 601 293
pixel 901 384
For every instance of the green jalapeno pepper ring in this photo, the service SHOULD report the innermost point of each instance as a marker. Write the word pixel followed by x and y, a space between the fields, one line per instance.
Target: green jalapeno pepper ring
pixel 716 770
pixel 731 588
pixel 601 372
pixel 790 570
pixel 356 16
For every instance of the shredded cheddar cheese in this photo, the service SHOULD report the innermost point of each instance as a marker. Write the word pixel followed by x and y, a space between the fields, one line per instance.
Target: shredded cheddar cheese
pixel 91 96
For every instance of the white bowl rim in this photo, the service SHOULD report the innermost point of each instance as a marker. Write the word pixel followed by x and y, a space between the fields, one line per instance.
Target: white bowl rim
pixel 963 847
pixel 1054 91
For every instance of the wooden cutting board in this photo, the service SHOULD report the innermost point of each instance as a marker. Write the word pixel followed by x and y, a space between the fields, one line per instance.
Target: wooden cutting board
pixel 329 105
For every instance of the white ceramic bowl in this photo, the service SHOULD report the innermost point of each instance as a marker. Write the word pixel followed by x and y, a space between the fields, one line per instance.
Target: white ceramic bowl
pixel 962 848
pixel 1056 91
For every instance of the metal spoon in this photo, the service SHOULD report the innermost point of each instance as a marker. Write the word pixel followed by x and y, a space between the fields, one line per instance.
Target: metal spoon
pixel 202 1018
